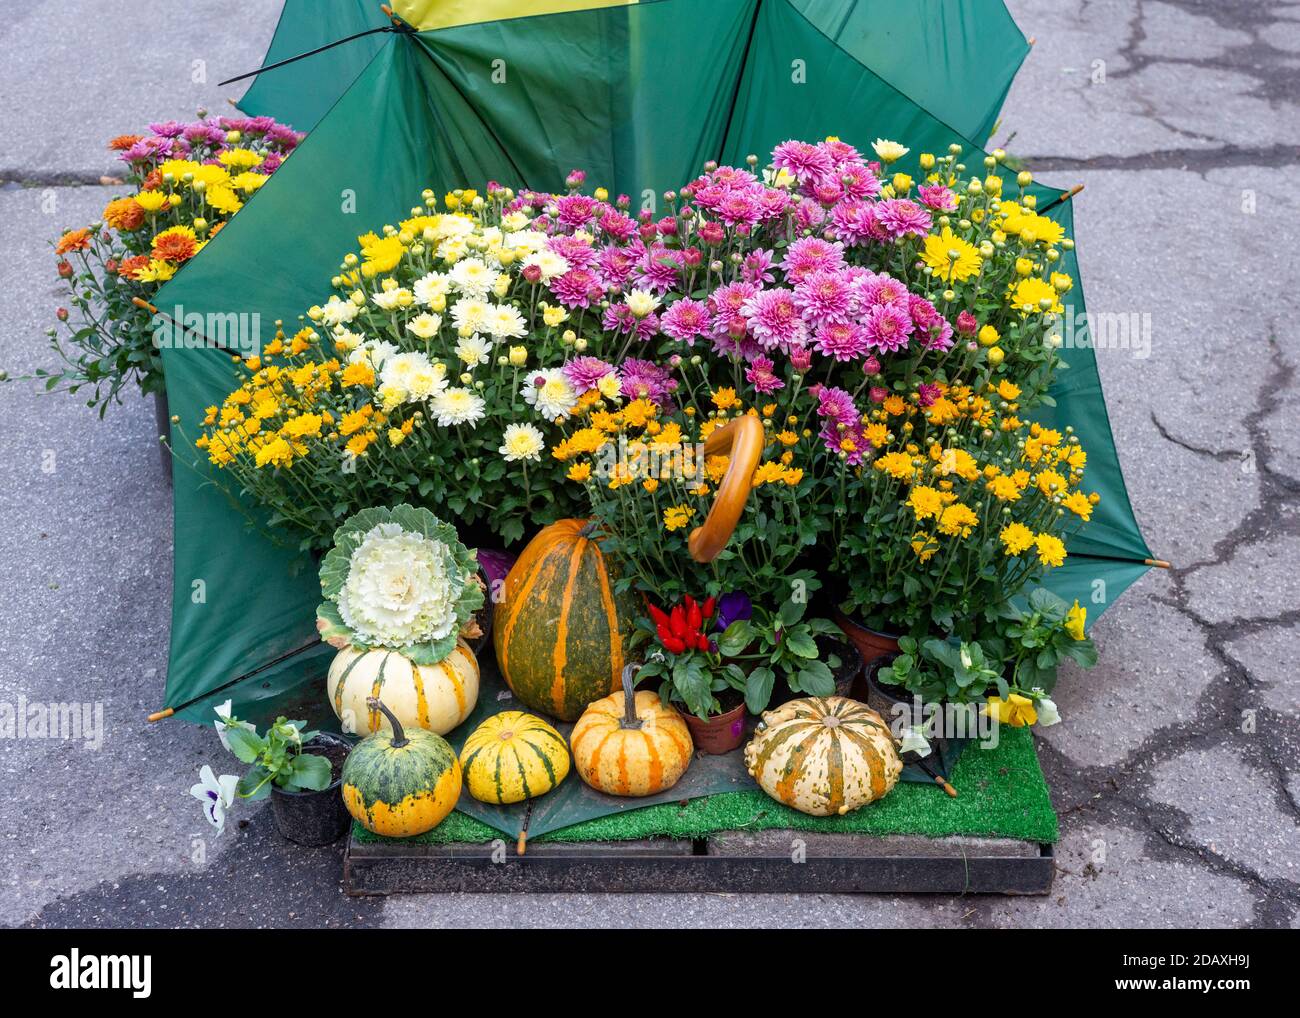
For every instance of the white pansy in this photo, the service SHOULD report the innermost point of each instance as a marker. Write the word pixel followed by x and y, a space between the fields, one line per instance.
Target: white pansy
pixel 217 795
pixel 457 406
pixel 473 277
pixel 1047 712
pixel 550 392
pixel 224 721
pixel 914 742
pixel 474 350
pixel 505 322
pixel 424 326
pixel 399 588
pixel 470 313
pixel 642 302
pixel 338 311
pixel 521 442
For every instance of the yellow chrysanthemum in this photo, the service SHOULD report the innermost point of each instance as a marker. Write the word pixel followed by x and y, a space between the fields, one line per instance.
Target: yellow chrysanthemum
pixel 925 502
pixel 678 516
pixel 958 520
pixel 1051 551
pixel 951 257
pixel 1034 296
pixel 1016 538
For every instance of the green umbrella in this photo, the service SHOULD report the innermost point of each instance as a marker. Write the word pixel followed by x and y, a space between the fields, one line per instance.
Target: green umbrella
pixel 639 95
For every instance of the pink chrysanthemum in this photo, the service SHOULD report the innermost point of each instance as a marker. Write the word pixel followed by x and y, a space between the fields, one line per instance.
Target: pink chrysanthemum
pixel 938 197
pixel 576 210
pixel 642 379
pixel 685 320
pixel 824 297
pixel 802 160
pixel 614 266
pixel 577 288
pixel 617 225
pixel 901 217
pixel 759 374
pixel 888 327
pixel 933 331
pixel 812 254
pixel 836 405
pixel 576 251
pixel 854 222
pixel 586 372
pixel 658 268
pixel 845 341
pixel 884 289
pixel 757 267
pixel 774 319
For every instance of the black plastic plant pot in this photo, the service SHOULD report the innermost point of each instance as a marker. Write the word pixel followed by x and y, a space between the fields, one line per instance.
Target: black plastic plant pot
pixel 313 818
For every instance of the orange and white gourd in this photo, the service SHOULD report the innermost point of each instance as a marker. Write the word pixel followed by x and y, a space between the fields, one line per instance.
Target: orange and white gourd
pixel 434 697
pixel 823 755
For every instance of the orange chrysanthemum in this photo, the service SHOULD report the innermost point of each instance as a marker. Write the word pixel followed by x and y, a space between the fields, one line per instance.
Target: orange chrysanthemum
pixel 173 247
pixel 124 214
pixel 130 266
pixel 73 240
pixel 152 182
pixel 123 142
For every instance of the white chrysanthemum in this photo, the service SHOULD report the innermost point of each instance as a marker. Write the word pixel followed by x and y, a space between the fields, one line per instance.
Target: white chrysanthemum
pixel 474 350
pixel 505 322
pixel 338 312
pixel 548 263
pixel 521 442
pixel 513 222
pixel 457 406
pixel 376 351
pixel 550 393
pixel 473 278
pixel 413 374
pixel 391 300
pixel 399 588
pixel 456 224
pixel 642 302
pixel 429 287
pixel 530 240
pixel 346 341
pixel 424 326
pixel 470 314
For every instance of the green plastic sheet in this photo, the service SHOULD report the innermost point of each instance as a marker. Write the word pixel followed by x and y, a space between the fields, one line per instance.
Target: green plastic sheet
pixel 626 93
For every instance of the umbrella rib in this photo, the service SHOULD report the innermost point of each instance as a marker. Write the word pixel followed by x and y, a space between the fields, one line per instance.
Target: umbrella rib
pixel 400 29
pixel 169 711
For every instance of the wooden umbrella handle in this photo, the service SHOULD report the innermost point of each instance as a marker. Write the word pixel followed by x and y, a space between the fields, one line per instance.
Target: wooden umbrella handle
pixel 743 439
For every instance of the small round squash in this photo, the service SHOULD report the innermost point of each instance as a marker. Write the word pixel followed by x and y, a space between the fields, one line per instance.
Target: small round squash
pixel 630 743
pixel 513 756
pixel 436 697
pixel 823 755
pixel 397 783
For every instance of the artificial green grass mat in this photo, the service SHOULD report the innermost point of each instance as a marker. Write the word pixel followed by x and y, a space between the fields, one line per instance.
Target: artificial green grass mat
pixel 1001 794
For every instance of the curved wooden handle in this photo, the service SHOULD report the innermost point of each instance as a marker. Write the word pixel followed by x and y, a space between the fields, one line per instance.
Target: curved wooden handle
pixel 743 438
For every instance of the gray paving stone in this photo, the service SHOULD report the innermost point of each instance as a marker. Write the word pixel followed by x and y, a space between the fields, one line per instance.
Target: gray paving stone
pixel 1108 879
pixel 1153 666
pixel 1232 810
pixel 1259 581
pixel 1272 658
pixel 77 74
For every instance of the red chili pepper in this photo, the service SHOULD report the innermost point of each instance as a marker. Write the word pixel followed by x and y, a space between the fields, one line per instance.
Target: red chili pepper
pixel 694 618
pixel 677 621
pixel 709 605
pixel 659 615
pixel 701 642
pixel 672 644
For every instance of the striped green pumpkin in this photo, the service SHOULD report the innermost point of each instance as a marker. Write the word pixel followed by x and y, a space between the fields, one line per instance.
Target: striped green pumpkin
pixel 559 627
pixel 823 755
pixel 513 756
pixel 397 783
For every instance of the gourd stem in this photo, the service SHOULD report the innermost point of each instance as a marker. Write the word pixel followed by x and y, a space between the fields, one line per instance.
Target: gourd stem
pixel 630 720
pixel 589 528
pixel 399 736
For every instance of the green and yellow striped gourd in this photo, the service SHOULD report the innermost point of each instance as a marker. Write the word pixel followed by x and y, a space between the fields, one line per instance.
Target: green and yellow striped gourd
pixel 513 756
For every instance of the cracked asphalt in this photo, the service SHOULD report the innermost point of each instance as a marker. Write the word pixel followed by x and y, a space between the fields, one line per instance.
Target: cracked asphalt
pixel 1177 771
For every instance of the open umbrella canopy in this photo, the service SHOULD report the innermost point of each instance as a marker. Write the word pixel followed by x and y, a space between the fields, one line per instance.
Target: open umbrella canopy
pixel 640 96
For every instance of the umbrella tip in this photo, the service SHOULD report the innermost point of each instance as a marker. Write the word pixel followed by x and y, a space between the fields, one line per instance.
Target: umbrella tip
pixel 1157 563
pixel 1033 39
pixel 159 715
pixel 1073 191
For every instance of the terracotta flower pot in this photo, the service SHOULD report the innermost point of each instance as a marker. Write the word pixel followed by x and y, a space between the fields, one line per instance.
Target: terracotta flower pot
pixel 719 734
pixel 871 645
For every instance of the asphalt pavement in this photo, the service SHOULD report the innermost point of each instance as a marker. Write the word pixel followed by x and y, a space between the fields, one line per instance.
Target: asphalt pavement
pixel 1176 771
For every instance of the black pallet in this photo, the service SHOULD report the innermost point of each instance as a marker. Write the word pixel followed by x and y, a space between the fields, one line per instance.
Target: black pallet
pixel 771 861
